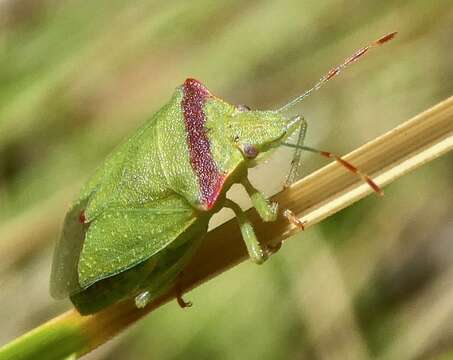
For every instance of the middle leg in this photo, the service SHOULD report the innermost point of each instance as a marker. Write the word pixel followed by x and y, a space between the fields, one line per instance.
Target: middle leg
pixel 256 252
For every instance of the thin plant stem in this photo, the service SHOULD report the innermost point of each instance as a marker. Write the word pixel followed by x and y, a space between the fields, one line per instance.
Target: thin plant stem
pixel 319 195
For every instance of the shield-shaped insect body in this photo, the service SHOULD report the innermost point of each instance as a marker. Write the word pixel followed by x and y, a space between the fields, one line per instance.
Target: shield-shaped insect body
pixel 144 212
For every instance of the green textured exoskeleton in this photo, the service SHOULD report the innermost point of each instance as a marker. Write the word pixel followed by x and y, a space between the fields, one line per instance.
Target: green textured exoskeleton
pixel 143 214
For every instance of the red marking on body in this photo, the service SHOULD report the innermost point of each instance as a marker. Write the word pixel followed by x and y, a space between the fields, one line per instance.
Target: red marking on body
pixel 82 218
pixel 210 179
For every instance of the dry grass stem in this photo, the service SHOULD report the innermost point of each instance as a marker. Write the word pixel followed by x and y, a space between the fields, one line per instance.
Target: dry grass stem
pixel 326 191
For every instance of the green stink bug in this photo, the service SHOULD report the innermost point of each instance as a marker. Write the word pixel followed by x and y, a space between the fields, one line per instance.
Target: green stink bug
pixel 142 215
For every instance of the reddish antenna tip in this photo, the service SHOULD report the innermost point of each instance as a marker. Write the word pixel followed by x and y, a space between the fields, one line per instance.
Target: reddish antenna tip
pixel 386 38
pixel 336 70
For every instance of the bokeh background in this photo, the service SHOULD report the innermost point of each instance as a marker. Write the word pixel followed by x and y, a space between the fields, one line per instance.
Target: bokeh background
pixel 374 281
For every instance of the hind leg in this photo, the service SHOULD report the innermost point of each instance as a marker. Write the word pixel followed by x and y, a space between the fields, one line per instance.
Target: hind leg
pixel 113 289
pixel 170 264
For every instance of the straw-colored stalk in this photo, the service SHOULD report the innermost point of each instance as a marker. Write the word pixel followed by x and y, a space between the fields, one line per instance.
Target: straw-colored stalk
pixel 326 191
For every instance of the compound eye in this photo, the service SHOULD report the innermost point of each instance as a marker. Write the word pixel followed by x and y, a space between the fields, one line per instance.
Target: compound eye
pixel 250 151
pixel 243 108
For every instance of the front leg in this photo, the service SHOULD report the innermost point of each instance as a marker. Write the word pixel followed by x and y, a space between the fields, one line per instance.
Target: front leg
pixel 267 210
pixel 254 248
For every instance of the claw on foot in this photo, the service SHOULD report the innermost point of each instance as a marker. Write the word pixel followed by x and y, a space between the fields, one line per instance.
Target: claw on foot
pixel 181 302
pixel 293 219
pixel 273 248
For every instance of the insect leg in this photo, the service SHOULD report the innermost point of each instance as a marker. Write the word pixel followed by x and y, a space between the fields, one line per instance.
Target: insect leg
pixel 293 219
pixel 181 302
pixel 179 293
pixel 296 162
pixel 152 292
pixel 256 252
pixel 169 266
pixel 267 210
pixel 142 299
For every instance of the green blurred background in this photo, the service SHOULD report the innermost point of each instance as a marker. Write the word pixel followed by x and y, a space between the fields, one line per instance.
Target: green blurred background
pixel 374 281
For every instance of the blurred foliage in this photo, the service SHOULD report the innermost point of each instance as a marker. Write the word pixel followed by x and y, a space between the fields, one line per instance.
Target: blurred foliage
pixel 371 282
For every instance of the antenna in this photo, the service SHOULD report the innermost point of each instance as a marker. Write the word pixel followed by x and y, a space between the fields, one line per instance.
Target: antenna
pixel 346 164
pixel 336 70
